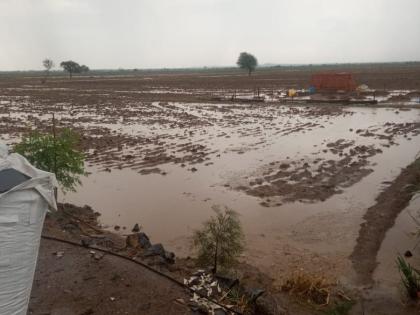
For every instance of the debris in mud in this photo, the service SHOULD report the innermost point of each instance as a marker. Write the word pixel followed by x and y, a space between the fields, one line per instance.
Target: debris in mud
pixel 209 287
pixel 227 292
pixel 59 254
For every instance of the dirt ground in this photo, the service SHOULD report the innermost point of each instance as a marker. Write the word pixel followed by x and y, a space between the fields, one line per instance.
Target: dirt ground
pixel 77 283
pixel 76 280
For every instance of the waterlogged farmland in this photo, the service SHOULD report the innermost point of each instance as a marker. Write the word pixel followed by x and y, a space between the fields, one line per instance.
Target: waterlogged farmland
pixel 301 176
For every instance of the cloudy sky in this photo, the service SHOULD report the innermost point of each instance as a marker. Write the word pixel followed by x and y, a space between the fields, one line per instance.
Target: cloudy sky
pixel 195 33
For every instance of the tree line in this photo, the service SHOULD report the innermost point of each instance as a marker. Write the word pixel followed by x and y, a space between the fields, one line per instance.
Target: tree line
pixel 69 66
pixel 245 61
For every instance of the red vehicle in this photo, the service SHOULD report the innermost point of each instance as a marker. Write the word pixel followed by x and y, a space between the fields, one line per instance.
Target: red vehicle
pixel 333 82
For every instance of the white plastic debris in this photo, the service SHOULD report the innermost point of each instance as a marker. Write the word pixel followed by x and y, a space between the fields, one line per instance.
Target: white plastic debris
pixel 205 284
pixel 22 212
pixel 59 254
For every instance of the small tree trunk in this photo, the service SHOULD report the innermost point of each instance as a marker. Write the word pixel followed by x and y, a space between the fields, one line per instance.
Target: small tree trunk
pixel 55 154
pixel 55 148
pixel 46 76
pixel 249 72
pixel 215 256
pixel 70 73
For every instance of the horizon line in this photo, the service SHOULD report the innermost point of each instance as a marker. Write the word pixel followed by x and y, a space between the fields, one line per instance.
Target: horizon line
pixel 264 65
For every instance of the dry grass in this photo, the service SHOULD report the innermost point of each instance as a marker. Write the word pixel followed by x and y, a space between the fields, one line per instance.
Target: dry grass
pixel 312 288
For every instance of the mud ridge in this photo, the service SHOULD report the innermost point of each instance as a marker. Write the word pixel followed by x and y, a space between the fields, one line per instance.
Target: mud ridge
pixel 380 218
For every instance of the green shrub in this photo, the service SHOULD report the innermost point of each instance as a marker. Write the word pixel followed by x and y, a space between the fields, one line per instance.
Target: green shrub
pixel 220 241
pixel 57 154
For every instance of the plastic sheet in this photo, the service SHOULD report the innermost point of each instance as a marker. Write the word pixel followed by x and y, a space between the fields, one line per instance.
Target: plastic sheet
pixel 22 213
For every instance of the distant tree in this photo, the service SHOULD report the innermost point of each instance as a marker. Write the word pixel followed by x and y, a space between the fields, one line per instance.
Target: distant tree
pixel 247 61
pixel 220 241
pixel 84 68
pixel 73 67
pixel 58 154
pixel 48 65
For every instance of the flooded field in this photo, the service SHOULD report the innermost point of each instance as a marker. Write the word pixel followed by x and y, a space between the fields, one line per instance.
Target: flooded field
pixel 301 177
pixel 211 157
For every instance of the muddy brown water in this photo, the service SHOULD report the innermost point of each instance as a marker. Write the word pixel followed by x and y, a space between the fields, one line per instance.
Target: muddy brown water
pixel 402 237
pixel 201 155
pixel 313 235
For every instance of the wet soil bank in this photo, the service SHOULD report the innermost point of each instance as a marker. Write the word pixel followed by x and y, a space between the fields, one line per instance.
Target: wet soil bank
pixel 77 284
pixel 380 218
pixel 72 279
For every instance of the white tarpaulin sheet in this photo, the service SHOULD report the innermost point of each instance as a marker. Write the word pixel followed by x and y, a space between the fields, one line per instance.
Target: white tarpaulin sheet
pixel 22 214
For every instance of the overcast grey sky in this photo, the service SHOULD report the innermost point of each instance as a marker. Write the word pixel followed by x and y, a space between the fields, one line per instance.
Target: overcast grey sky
pixel 195 33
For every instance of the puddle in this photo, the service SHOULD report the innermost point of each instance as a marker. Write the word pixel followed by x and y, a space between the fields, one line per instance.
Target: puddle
pixel 400 238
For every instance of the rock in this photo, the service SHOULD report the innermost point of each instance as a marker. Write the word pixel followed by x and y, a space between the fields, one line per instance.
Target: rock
pixel 408 254
pixel 159 250
pixel 269 306
pixel 98 256
pixel 220 311
pixel 169 257
pixel 254 293
pixel 156 261
pixel 137 240
pixel 155 250
pixel 136 228
pixel 144 240
pixel 132 240
pixel 86 241
pixel 227 281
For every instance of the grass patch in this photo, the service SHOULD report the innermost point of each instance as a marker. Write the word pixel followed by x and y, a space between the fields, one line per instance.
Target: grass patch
pixel 340 308
pixel 410 278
